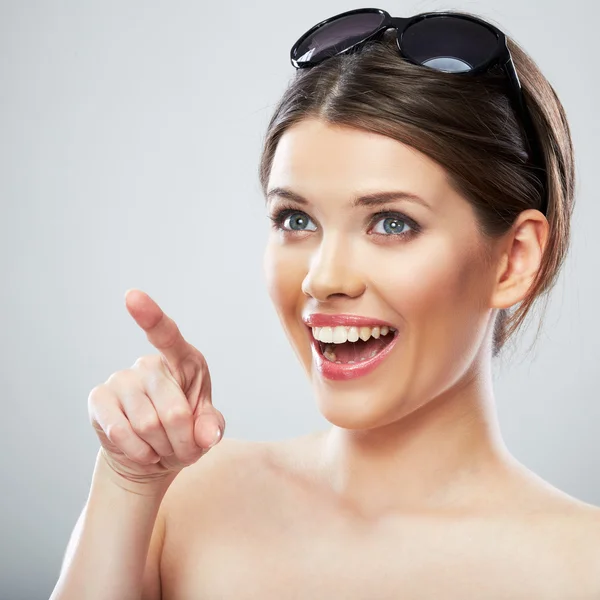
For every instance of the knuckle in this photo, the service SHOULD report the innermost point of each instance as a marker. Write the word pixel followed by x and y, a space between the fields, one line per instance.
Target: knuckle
pixel 94 395
pixel 123 382
pixel 148 361
pixel 177 415
pixel 95 391
pixel 99 399
pixel 116 433
pixel 148 425
pixel 118 378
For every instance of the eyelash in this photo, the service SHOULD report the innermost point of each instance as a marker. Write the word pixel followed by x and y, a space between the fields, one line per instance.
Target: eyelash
pixel 280 215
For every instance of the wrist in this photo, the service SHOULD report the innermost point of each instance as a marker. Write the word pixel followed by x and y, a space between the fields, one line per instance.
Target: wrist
pixel 153 485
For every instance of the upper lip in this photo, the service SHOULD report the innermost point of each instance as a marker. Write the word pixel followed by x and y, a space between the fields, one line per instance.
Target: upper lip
pixel 325 320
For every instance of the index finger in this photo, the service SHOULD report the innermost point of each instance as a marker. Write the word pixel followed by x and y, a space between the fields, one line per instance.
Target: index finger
pixel 161 330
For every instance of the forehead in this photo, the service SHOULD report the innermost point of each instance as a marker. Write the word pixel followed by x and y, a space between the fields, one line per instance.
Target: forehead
pixel 317 158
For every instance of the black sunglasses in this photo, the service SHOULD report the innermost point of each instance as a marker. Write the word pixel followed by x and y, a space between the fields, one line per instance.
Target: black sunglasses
pixel 443 41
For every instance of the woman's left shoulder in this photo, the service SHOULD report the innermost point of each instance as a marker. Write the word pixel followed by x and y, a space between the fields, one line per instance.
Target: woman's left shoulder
pixel 573 521
pixel 564 532
pixel 582 520
pixel 582 537
pixel 572 532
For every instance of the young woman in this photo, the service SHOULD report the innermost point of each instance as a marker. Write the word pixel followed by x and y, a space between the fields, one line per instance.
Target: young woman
pixel 420 194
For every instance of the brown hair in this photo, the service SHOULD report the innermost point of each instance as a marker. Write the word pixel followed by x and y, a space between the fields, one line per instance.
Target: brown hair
pixel 466 124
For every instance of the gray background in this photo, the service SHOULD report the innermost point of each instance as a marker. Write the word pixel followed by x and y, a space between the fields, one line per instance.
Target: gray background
pixel 130 135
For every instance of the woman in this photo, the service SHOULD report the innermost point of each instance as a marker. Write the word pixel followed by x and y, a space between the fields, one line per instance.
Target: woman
pixel 413 206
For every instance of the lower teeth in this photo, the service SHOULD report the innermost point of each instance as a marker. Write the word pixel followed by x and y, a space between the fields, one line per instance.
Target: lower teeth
pixel 329 354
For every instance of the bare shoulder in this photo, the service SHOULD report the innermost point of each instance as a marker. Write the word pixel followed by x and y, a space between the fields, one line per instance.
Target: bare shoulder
pixel 245 494
pixel 229 467
pixel 236 463
pixel 581 528
pixel 236 479
pixel 214 513
pixel 579 531
pixel 564 529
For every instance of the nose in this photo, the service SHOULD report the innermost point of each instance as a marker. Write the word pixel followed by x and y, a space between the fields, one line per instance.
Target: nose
pixel 332 272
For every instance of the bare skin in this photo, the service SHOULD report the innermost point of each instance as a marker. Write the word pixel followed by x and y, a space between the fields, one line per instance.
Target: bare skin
pixel 260 520
pixel 412 493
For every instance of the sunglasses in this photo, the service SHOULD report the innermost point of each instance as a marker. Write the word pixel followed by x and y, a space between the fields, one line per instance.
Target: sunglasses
pixel 443 41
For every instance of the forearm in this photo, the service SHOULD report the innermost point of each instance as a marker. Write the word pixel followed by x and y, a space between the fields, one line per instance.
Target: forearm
pixel 106 555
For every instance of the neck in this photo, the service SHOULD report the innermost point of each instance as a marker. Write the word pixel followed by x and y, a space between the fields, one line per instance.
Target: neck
pixel 446 454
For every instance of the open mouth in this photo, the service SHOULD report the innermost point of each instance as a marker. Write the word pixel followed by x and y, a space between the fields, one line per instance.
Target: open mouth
pixel 361 350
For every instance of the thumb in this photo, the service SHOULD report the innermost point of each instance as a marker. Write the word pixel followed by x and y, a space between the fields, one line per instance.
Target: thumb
pixel 209 426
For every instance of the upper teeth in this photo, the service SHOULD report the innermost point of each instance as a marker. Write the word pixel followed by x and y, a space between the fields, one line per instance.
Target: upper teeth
pixel 340 334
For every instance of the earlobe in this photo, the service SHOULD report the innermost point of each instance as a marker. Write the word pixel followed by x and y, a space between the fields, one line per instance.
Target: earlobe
pixel 521 259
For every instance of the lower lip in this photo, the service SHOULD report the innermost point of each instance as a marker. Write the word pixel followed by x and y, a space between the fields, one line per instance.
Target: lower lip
pixel 343 372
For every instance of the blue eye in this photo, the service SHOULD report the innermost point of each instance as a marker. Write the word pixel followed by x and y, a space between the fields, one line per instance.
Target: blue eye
pixel 297 221
pixel 392 226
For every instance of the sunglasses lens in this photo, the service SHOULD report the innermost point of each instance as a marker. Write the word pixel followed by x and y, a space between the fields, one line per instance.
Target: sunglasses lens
pixel 337 36
pixel 449 44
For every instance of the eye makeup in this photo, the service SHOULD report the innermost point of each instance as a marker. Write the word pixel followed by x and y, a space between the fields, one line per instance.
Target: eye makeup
pixel 281 214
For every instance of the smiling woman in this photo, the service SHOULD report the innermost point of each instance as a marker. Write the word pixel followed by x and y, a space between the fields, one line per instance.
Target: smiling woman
pixel 484 158
pixel 330 258
pixel 417 214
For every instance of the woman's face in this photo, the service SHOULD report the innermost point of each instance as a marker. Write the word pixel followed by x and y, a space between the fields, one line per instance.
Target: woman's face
pixel 418 268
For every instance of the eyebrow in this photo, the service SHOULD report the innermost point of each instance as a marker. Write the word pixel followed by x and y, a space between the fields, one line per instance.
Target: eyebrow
pixel 374 199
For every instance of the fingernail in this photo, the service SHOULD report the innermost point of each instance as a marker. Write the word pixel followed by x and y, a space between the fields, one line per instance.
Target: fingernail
pixel 217 437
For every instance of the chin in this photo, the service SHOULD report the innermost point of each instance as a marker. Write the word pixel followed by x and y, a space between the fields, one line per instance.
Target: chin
pixel 355 409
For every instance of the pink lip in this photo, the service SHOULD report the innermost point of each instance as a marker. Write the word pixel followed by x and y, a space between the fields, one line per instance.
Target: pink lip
pixel 345 372
pixel 324 320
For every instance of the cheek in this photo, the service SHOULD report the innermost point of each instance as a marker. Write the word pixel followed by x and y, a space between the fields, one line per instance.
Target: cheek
pixel 437 295
pixel 284 271
pixel 284 274
pixel 438 285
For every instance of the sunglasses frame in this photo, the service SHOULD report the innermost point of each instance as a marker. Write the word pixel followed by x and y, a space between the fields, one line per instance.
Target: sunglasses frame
pixel 500 57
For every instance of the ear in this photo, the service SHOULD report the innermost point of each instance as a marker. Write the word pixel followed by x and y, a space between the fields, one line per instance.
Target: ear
pixel 520 258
